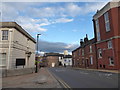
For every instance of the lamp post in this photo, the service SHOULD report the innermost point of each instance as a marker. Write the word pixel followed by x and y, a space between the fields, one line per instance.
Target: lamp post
pixel 36 70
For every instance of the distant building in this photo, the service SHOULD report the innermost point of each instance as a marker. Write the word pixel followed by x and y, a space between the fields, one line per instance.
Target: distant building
pixel 65 52
pixel 17 47
pixel 56 59
pixel 67 60
pixel 85 55
pixel 52 59
pixel 107 34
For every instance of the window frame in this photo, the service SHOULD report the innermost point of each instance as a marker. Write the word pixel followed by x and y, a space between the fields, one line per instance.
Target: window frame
pixel 107 21
pixel 4 35
pixel 91 60
pixel 1 64
pixel 109 43
pixel 97 29
pixel 110 61
pixel 83 53
pixel 99 53
pixel 90 49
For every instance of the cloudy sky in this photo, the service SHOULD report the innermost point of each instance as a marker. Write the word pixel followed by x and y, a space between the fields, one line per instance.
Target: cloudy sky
pixel 61 24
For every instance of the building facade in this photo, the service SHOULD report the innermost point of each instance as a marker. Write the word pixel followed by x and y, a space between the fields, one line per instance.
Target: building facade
pixel 52 59
pixel 65 60
pixel 107 35
pixel 105 45
pixel 85 55
pixel 17 47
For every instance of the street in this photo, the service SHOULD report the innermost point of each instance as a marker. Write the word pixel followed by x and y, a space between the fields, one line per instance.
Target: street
pixel 85 79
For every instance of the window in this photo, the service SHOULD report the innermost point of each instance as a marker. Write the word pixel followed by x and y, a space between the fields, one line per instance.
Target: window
pixel 99 53
pixel 111 61
pixel 107 23
pixel 91 60
pixel 109 44
pixel 90 48
pixel 82 52
pixel 3 59
pixel 4 34
pixel 100 66
pixel 97 30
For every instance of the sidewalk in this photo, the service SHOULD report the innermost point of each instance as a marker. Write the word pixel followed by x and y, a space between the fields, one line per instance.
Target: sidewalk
pixel 98 70
pixel 42 79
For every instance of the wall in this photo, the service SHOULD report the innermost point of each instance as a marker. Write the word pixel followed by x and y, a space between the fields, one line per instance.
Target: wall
pixel 52 59
pixel 19 46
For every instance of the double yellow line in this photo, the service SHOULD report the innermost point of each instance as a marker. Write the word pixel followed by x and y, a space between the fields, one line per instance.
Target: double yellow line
pixel 65 85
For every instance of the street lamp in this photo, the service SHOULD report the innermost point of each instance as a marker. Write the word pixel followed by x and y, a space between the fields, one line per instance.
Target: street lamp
pixel 36 70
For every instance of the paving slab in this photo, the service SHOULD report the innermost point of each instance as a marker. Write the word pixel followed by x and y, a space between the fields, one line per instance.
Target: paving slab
pixel 42 79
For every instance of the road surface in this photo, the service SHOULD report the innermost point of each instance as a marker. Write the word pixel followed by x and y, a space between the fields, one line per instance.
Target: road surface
pixel 85 78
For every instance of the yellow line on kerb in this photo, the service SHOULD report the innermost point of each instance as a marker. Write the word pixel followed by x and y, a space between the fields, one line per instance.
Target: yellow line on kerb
pixel 61 81
pixel 64 84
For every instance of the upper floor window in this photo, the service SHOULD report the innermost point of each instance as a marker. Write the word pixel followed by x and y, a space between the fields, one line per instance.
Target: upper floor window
pixel 90 48
pixel 82 52
pixel 4 34
pixel 97 30
pixel 99 53
pixel 107 23
pixel 109 44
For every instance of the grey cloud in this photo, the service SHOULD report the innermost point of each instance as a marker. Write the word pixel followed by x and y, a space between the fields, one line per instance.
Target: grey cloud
pixel 56 46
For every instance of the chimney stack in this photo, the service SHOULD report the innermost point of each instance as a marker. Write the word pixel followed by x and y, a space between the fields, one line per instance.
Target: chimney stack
pixel 86 39
pixel 81 42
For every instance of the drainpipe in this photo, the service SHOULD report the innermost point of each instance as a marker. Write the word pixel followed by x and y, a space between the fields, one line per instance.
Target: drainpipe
pixel 95 43
pixel 9 49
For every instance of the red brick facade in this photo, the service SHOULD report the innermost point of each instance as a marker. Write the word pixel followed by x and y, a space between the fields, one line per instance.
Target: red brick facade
pixel 82 55
pixel 106 48
pixel 113 36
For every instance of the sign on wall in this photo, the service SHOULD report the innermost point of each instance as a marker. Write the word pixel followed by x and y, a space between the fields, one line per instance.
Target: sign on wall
pixel 20 62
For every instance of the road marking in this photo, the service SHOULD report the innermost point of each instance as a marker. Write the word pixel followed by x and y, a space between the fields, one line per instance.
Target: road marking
pixel 65 85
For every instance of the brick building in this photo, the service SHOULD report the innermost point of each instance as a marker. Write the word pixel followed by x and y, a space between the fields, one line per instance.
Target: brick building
pixel 105 45
pixel 107 35
pixel 52 59
pixel 85 55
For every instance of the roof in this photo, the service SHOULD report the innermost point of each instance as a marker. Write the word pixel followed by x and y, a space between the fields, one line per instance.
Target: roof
pixel 17 27
pixel 53 54
pixel 89 42
pixel 67 56
pixel 107 7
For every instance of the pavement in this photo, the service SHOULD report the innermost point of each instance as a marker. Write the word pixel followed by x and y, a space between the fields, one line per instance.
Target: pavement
pixel 42 79
pixel 98 70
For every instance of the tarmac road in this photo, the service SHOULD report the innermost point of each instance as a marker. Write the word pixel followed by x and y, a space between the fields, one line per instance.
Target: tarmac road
pixel 73 78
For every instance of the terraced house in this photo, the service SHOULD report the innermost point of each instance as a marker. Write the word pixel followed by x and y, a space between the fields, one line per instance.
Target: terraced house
pixel 85 55
pixel 17 47
pixel 106 44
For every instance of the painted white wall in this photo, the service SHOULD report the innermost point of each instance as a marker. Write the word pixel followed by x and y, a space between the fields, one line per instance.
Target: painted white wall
pixel 21 44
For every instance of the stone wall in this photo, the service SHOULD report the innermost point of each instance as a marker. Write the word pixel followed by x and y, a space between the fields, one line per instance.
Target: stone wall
pixel 16 72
